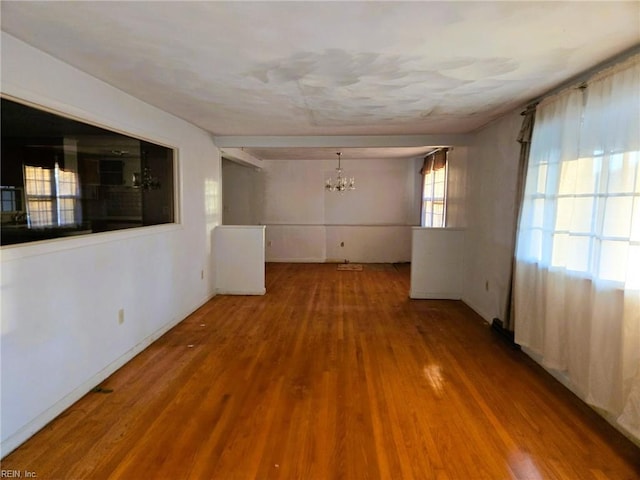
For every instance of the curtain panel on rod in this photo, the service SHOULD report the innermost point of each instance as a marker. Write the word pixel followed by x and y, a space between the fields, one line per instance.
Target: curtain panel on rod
pixel 434 161
pixel 577 278
pixel 524 139
pixel 433 194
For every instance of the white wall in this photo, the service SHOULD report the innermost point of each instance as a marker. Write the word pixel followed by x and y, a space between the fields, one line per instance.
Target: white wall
pixel 457 187
pixel 492 162
pixel 436 263
pixel 240 259
pixel 306 223
pixel 241 193
pixel 60 333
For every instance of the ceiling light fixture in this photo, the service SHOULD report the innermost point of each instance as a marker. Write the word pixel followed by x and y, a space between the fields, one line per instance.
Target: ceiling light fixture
pixel 146 180
pixel 340 183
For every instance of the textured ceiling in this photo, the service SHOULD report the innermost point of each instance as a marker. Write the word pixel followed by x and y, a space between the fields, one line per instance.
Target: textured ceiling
pixel 330 68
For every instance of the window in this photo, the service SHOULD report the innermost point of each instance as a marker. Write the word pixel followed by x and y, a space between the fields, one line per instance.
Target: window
pixel 434 190
pixel 11 198
pixel 77 179
pixel 588 217
pixel 581 212
pixel 577 275
pixel 52 196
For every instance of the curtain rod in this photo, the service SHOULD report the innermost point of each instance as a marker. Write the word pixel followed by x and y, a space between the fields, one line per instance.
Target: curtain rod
pixel 436 150
pixel 583 77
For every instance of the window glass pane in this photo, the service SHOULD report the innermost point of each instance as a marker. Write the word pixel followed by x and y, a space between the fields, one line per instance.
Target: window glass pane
pixel 538 213
pixel 40 213
pixel 535 245
pixel 568 174
pixel 621 173
pixel 434 198
pixel 66 211
pixel 9 203
pixel 38 180
pixel 560 246
pixel 67 185
pixel 634 158
pixel 74 178
pixel 563 213
pixel 635 221
pixel 613 260
pixel 616 217
pixel 427 191
pixel 587 175
pixel 582 214
pixel 578 253
pixel 542 178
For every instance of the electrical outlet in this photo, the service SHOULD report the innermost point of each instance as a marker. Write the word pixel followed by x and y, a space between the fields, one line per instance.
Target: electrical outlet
pixel 121 316
pixel 269 243
pixel 486 285
pixel 201 274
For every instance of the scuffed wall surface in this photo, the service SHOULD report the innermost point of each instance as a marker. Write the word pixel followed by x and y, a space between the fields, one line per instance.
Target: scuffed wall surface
pixel 490 211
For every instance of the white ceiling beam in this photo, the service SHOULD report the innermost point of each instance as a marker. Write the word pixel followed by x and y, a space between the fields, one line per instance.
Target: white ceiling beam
pixel 242 157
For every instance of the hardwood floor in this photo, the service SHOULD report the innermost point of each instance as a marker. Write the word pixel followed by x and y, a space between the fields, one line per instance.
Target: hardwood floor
pixel 330 375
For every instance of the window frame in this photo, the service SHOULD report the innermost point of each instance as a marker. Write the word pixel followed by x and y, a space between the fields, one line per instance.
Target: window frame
pixel 74 239
pixel 550 234
pixel 428 195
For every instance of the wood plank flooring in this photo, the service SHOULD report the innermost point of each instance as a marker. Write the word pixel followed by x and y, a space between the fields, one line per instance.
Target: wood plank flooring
pixel 330 375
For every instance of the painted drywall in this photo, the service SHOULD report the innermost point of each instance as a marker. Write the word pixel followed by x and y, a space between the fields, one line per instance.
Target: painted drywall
pixel 436 263
pixel 457 187
pixel 369 224
pixel 240 253
pixel 492 161
pixel 241 191
pixel 61 299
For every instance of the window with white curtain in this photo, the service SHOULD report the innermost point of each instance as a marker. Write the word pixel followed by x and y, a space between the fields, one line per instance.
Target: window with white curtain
pixel 52 196
pixel 434 190
pixel 577 289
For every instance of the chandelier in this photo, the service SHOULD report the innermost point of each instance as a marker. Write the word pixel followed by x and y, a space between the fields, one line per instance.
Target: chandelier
pixel 146 181
pixel 340 183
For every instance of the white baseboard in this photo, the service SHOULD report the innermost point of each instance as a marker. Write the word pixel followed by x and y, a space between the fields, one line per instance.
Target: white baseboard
pixel 485 316
pixel 241 292
pixel 434 296
pixel 295 260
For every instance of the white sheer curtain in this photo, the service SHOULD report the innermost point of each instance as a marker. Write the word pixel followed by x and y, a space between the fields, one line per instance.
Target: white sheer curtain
pixel 577 289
